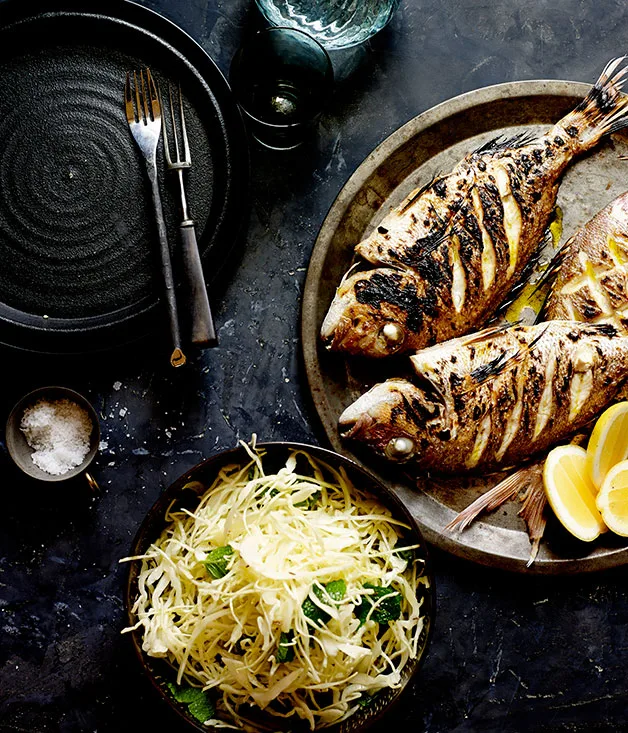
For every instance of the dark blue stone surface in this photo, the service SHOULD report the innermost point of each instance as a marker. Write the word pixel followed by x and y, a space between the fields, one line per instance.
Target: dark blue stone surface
pixel 508 653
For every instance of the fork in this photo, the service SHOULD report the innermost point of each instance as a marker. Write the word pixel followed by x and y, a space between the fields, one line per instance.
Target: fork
pixel 143 113
pixel 203 333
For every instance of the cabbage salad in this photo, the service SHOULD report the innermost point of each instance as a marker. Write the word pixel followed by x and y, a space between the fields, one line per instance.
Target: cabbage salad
pixel 292 592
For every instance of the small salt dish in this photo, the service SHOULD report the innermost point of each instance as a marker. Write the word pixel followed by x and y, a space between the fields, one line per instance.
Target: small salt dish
pixel 21 452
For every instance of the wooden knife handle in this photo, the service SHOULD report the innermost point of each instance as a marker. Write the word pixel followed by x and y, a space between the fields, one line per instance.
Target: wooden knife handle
pixel 202 324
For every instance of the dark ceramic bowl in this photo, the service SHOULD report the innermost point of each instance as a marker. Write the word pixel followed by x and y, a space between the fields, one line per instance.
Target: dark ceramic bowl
pixel 186 491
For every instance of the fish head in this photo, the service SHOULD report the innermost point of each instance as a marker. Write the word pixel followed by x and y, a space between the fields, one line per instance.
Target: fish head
pixel 396 419
pixel 358 324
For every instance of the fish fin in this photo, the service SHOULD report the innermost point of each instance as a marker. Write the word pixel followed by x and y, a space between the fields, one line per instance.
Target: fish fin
pixel 431 242
pixel 534 510
pixel 522 280
pixel 351 271
pixel 604 110
pixel 500 364
pixel 487 333
pixel 548 279
pixel 501 143
pixel 407 203
pixel 505 490
pixel 525 484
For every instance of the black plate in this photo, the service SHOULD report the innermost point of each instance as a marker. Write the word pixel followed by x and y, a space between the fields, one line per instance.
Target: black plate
pixel 80 269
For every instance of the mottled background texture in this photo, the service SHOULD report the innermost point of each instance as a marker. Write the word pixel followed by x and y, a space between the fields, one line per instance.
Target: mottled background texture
pixel 508 653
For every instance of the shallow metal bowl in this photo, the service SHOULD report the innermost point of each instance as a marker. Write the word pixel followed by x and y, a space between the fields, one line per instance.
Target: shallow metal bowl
pixel 21 452
pixel 187 490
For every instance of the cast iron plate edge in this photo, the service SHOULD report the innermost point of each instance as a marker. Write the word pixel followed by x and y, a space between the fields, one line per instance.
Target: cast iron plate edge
pixel 92 334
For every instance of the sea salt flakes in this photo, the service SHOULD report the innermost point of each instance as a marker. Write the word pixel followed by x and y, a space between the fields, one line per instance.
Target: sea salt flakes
pixel 59 433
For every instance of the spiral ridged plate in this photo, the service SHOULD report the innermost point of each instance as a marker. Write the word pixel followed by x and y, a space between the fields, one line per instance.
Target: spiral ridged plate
pixel 79 257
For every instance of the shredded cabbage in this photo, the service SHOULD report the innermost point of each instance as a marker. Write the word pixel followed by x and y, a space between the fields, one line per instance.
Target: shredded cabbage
pixel 282 591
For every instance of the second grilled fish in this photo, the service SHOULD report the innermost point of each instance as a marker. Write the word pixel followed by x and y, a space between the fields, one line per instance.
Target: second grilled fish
pixel 451 252
pixel 492 399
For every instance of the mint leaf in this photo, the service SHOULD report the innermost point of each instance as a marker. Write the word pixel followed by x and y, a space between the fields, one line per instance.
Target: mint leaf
pixel 199 704
pixel 217 560
pixel 311 501
pixel 264 492
pixel 285 650
pixel 388 610
pixel 407 555
pixel 366 700
pixel 202 708
pixel 334 592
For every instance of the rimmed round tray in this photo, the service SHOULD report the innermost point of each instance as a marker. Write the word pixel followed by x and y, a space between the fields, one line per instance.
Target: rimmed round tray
pixel 430 143
pixel 80 265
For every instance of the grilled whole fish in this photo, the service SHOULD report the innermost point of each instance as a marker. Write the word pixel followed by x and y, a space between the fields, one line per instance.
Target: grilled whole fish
pixel 449 254
pixel 592 279
pixel 494 398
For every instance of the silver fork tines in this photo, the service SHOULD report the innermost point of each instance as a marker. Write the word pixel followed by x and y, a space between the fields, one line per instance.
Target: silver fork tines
pixel 184 161
pixel 143 113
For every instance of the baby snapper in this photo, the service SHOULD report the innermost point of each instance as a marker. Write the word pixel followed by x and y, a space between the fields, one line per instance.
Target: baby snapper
pixel 449 254
pixel 494 398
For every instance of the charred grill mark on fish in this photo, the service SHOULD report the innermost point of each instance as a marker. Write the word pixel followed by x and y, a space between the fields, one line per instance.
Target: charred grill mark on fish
pixel 501 144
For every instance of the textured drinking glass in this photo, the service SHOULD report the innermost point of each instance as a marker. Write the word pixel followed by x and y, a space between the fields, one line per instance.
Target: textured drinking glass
pixel 334 23
pixel 281 79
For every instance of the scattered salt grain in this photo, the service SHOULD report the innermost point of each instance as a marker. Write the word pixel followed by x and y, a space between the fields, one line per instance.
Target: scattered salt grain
pixel 59 433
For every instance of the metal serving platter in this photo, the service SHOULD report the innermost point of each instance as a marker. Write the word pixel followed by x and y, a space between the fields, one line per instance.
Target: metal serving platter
pixel 80 269
pixel 430 143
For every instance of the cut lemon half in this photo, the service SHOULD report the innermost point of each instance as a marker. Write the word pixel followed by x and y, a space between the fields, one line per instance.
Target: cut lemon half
pixel 571 492
pixel 608 444
pixel 612 501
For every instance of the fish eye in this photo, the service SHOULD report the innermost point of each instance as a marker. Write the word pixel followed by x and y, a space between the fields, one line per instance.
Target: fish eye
pixel 393 334
pixel 400 449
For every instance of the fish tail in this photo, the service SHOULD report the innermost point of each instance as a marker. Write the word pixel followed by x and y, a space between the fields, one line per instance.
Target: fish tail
pixel 604 110
pixel 527 484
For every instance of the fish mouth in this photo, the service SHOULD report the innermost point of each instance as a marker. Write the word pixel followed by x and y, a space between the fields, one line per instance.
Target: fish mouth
pixel 351 426
pixel 335 322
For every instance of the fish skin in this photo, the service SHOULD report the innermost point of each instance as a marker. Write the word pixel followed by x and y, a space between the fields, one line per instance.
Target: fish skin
pixel 472 386
pixel 459 243
pixel 591 283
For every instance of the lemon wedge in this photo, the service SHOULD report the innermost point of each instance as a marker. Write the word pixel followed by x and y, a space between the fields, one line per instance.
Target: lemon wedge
pixel 571 492
pixel 608 444
pixel 612 501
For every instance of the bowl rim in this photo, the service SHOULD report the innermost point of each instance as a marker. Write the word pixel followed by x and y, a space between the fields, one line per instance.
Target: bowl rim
pixel 231 455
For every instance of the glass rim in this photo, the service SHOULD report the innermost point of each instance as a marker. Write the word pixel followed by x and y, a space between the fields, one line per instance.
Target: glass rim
pixel 299 32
